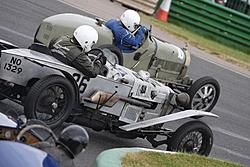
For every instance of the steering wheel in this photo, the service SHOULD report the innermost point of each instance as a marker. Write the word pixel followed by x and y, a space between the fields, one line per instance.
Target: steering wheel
pixel 37 126
pixel 95 54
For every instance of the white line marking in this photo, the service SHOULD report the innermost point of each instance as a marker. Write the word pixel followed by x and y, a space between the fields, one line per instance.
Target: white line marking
pixel 232 134
pixel 17 33
pixel 227 112
pixel 232 152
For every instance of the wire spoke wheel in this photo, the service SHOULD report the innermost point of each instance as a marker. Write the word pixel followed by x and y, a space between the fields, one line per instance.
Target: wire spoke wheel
pixel 51 103
pixel 191 137
pixel 191 143
pixel 51 100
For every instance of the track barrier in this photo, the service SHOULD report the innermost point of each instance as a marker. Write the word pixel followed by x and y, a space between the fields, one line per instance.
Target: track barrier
pixel 162 12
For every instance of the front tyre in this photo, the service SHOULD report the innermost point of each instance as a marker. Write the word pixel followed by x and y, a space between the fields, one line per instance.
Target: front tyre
pixel 51 100
pixel 192 137
pixel 204 94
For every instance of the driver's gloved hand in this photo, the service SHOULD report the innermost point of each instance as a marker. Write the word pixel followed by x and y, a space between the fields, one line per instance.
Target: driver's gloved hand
pixel 102 59
pixel 142 29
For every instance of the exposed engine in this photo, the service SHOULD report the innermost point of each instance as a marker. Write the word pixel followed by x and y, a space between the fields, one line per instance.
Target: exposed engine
pixel 142 86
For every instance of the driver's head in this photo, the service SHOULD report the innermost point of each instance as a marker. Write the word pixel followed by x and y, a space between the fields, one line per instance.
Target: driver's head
pixel 130 19
pixel 86 36
pixel 74 139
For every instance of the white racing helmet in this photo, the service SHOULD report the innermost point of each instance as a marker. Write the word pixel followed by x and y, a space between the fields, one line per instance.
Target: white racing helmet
pixel 86 36
pixel 130 19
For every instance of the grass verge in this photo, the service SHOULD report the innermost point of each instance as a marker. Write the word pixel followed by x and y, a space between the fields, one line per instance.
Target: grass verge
pixel 156 159
pixel 225 51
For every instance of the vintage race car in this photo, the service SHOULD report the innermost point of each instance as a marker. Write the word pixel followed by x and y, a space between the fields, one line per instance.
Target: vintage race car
pixel 129 104
pixel 165 62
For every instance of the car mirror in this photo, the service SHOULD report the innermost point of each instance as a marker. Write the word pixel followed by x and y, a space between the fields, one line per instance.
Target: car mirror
pixel 99 21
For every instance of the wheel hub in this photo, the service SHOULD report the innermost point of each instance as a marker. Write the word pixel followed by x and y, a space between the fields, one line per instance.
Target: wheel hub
pixel 204 97
pixel 50 103
pixel 205 100
pixel 192 142
pixel 54 105
pixel 190 146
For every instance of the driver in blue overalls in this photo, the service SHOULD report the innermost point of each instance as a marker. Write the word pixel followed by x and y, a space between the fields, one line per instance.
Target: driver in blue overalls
pixel 128 33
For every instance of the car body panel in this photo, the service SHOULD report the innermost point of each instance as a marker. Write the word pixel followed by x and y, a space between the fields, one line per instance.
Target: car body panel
pixel 147 49
pixel 167 118
pixel 16 67
pixel 54 26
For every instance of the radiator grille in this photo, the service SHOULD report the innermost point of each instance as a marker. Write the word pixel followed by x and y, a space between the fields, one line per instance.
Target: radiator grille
pixel 130 114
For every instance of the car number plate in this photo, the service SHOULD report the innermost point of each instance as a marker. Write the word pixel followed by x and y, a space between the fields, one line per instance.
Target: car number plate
pixel 13 65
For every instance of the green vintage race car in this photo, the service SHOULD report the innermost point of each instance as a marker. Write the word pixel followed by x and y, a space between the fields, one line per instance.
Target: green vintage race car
pixel 165 62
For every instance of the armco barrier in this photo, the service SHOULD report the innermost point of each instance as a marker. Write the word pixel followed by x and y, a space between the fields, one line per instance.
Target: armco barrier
pixel 212 18
pixel 242 6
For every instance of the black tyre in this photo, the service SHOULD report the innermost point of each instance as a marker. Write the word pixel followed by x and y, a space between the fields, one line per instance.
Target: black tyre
pixel 119 57
pixel 50 100
pixel 1 90
pixel 2 98
pixel 204 94
pixel 192 137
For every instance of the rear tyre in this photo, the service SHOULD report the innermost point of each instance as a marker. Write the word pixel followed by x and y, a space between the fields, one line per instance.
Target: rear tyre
pixel 51 100
pixel 204 94
pixel 191 137
pixel 116 57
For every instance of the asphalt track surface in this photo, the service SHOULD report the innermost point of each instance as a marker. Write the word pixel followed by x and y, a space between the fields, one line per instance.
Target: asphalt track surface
pixel 18 22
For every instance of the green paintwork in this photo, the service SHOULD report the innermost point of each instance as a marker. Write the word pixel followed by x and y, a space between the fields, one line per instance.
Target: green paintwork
pixel 170 62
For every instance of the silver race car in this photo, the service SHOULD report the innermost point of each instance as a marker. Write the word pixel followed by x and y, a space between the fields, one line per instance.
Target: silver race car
pixel 129 104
